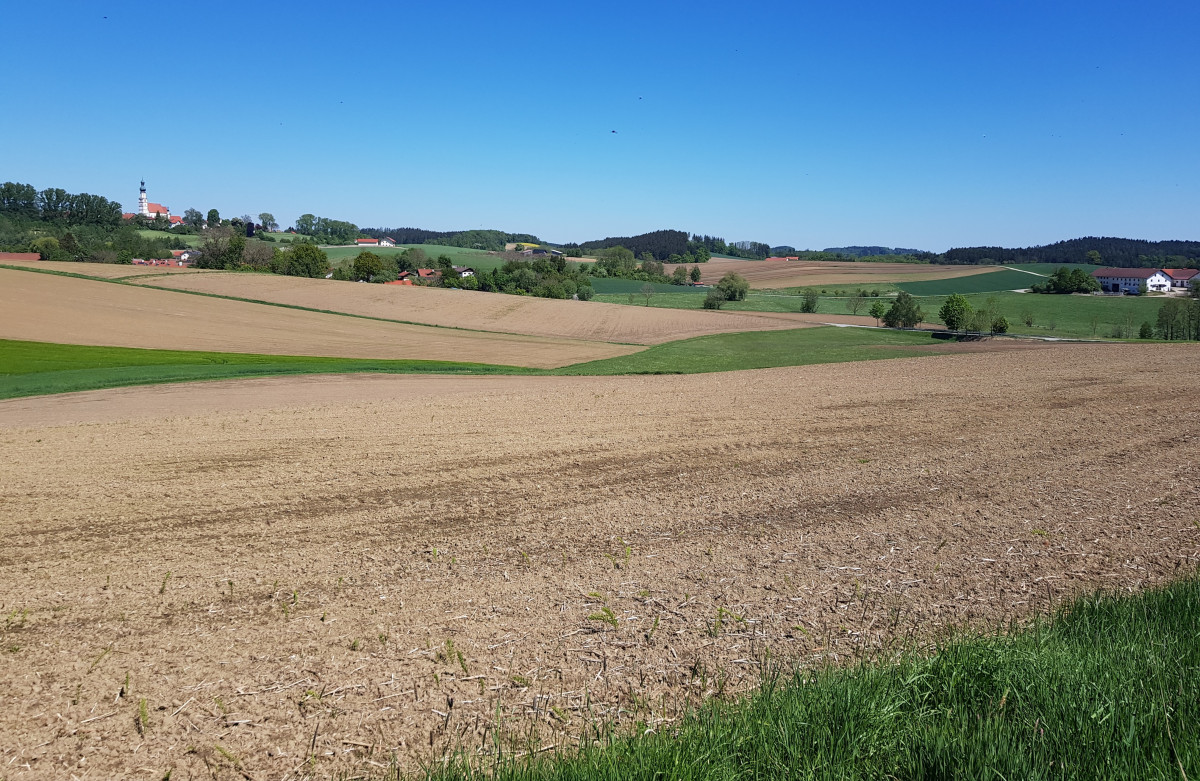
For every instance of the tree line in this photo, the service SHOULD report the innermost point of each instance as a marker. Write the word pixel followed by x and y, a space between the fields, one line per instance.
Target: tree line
pixel 1105 251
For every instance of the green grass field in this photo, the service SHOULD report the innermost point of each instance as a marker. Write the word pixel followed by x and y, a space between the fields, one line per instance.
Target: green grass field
pixel 1046 269
pixel 758 350
pixel 38 368
pixel 1110 688
pixel 190 239
pixel 623 287
pixel 1071 317
pixel 459 256
pixel 992 281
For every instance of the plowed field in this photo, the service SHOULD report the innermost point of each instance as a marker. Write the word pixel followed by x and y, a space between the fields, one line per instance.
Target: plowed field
pixel 102 270
pixel 47 308
pixel 275 577
pixel 484 311
pixel 800 273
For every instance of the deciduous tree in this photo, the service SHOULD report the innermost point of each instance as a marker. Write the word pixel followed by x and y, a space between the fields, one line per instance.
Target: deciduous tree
pixel 955 312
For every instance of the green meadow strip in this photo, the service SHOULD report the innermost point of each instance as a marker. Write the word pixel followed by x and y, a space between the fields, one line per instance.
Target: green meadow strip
pixel 1110 688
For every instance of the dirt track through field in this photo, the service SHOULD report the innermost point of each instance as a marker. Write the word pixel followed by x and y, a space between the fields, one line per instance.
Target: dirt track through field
pixel 290 568
pixel 589 320
pixel 801 273
pixel 48 308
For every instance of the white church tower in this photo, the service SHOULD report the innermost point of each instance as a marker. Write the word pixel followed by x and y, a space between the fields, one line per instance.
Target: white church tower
pixel 143 206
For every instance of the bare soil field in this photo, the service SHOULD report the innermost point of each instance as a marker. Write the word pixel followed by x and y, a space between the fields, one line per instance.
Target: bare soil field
pixel 48 308
pixel 800 273
pixel 102 270
pixel 290 577
pixel 589 320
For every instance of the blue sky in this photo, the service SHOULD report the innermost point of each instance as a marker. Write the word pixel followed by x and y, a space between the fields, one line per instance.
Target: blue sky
pixel 925 125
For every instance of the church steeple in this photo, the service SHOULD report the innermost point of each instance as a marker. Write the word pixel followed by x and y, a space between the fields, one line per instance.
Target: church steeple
pixel 143 205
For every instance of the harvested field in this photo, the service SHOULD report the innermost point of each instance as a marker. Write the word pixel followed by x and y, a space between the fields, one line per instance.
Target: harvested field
pixel 44 307
pixel 102 270
pixel 592 321
pixel 230 578
pixel 801 273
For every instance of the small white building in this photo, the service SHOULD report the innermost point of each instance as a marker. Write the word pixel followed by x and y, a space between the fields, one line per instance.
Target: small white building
pixel 387 241
pixel 1130 280
pixel 1182 278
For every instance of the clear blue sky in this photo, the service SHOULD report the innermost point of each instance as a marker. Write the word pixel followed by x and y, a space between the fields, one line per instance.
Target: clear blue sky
pixel 924 124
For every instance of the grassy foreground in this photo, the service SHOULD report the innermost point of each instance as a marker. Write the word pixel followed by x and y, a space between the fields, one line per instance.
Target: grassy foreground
pixel 38 368
pixel 1109 689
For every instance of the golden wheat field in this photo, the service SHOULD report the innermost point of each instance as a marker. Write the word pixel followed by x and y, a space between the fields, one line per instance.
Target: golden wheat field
pixel 310 576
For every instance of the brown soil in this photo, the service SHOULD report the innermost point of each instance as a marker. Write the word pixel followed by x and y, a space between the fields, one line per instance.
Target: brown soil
pixel 800 273
pixel 484 311
pixel 326 540
pixel 102 270
pixel 47 308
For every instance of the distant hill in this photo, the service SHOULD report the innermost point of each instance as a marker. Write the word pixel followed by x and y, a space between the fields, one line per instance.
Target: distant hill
pixel 1102 251
pixel 867 252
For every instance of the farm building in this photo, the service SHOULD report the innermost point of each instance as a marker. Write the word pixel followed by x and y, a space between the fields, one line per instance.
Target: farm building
pixel 387 241
pixel 464 271
pixel 1130 280
pixel 1181 278
pixel 429 274
pixel 367 242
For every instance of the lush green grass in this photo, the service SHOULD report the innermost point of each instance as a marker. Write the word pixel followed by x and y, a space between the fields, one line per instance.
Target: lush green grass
pixel 1081 317
pixel 36 368
pixel 459 256
pixel 190 239
pixel 1110 689
pixel 757 350
pixel 992 281
pixel 623 287
pixel 1072 317
pixel 1046 269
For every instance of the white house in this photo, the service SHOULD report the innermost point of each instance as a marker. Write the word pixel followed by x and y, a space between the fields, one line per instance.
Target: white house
pixel 1130 280
pixel 1181 278
pixel 387 241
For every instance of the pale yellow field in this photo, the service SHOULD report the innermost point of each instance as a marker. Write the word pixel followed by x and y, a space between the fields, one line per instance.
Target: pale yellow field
pixel 48 308
pixel 590 320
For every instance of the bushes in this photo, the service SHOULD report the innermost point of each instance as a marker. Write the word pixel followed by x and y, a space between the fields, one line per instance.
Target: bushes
pixel 904 313
pixel 714 300
pixel 733 287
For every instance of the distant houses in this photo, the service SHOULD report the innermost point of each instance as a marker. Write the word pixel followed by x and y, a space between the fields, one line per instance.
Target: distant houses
pixel 1130 280
pixel 386 241
pixel 788 257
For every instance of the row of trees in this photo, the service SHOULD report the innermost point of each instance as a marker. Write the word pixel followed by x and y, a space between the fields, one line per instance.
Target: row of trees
pixel 1178 318
pixel 55 205
pixel 958 315
pixel 1108 251
pixel 325 230
pixel 1065 280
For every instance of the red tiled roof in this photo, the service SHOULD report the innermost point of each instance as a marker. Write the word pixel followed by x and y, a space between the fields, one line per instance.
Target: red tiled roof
pixel 366 241
pixel 157 208
pixel 428 273
pixel 1125 273
pixel 1181 273
pixel 20 256
pixel 176 219
pixel 128 216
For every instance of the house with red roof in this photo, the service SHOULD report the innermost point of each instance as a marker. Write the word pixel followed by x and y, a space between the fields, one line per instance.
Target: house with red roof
pixel 367 242
pixel 1182 278
pixel 431 275
pixel 1130 280
pixel 387 241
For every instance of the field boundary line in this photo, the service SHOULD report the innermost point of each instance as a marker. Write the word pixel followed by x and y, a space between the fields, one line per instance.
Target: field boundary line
pixel 128 282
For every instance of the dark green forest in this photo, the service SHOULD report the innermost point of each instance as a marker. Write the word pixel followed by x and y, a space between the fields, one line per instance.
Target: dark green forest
pixel 1101 251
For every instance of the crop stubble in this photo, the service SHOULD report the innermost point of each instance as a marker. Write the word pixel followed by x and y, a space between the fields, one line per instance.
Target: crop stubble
pixel 484 311
pixel 326 537
pixel 43 307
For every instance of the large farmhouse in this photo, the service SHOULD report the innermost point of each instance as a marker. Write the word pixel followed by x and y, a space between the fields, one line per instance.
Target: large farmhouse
pixel 1182 278
pixel 1130 280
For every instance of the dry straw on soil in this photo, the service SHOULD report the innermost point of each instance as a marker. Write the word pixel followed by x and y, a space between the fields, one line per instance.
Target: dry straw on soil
pixel 312 573
pixel 484 311
pixel 102 270
pixel 47 308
